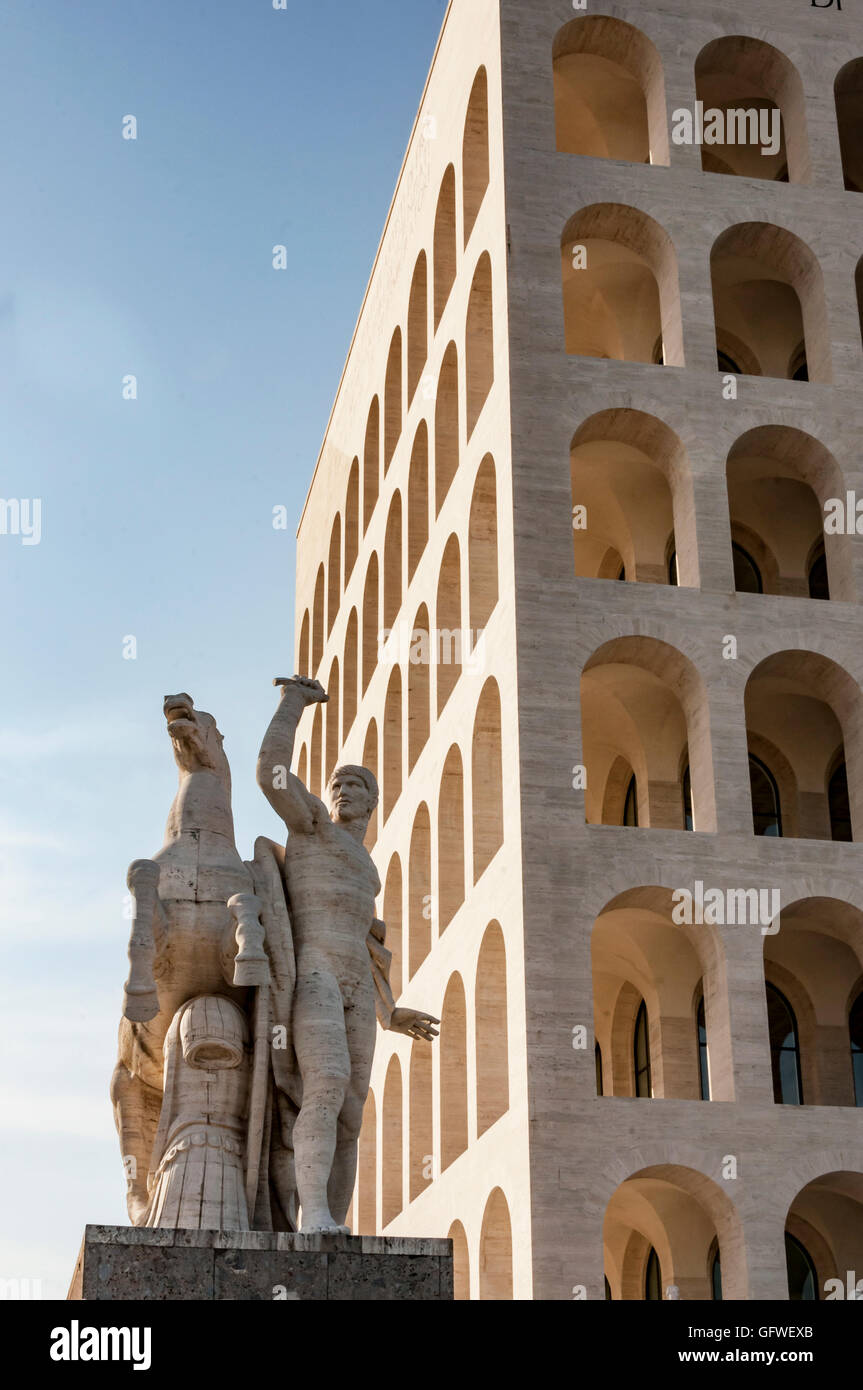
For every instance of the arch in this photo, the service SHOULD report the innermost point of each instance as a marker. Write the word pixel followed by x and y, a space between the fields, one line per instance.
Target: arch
pixel 754 81
pixel 445 245
pixel 782 483
pixel 487 779
pixel 333 737
pixel 450 839
pixel 392 743
pixel 482 548
pixel 848 92
pixel 632 485
pixel 352 519
pixel 446 444
pixel 453 1072
pixel 421 1119
pixel 417 324
pixel 351 673
pixel 419 890
pixel 303 650
pixel 479 342
pixel 334 573
pixel 316 754
pixel 460 1262
pixel 620 288
pixel 492 1047
pixel 495 1249
pixel 371 462
pixel 475 160
pixel 393 398
pixel 391 1144
pixel 768 293
pixel 367 1171
pixel 418 499
pixel 303 766
pixel 419 687
pixel 448 653
pixel 371 622
pixel 609 92
pixel 370 760
pixel 646 703
pixel 825 1220
pixel 392 916
pixel 318 621
pixel 393 562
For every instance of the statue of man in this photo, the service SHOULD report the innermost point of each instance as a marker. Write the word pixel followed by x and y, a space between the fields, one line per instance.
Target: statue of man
pixel 331 885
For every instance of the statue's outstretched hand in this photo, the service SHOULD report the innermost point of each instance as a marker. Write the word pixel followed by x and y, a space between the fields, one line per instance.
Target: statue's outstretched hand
pixel 415 1024
pixel 312 691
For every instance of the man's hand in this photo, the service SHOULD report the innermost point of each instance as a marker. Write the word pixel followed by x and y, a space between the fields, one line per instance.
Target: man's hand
pixel 312 691
pixel 414 1024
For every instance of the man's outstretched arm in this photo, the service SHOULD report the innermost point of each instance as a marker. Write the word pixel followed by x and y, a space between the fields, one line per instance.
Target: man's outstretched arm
pixel 293 802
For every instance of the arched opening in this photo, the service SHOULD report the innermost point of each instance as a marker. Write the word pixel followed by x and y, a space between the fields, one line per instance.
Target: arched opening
pixel 803 713
pixel 784 1049
pixel 802 1278
pixel 754 121
pixel 652 1278
pixel 421 1130
pixel 419 891
pixel 475 163
pixel 641 1054
pixel 492 1046
pixel 702 1047
pixel 371 623
pixel 479 342
pixel 766 805
pixel 331 715
pixel 303 649
pixel 393 398
pixel 495 1250
pixel 769 306
pixel 631 488
pixel 371 462
pixel 643 709
pixel 824 1237
pixel 419 687
pixel 715 1273
pixel 417 325
pixel 318 621
pixel 448 637
pixel 460 1262
pixel 609 92
pixel 392 916
pixel 351 674
pixel 367 1172
pixel 597 1058
pixel 487 779
pixel 620 288
pixel 839 804
pixel 391 1144
pixel 855 1033
pixel 352 519
pixel 370 760
pixel 393 563
pixel 482 547
pixel 781 483
pixel 392 736
pixel 848 91
pixel 453 1072
pixel 316 754
pixel 446 442
pixel 334 573
pixel 418 499
pixel 445 246
pixel 450 839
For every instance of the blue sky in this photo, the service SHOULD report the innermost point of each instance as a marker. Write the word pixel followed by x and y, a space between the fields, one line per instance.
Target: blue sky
pixel 153 257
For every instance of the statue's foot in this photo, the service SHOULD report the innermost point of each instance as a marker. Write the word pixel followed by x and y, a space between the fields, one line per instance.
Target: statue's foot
pixel 323 1226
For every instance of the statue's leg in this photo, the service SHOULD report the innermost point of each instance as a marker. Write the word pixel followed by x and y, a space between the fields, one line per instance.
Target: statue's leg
pixel 360 1030
pixel 136 1114
pixel 324 1062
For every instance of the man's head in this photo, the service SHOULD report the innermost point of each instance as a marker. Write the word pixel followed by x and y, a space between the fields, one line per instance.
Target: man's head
pixel 353 794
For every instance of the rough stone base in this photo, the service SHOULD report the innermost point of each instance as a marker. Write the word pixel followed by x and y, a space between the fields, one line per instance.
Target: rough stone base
pixel 128 1263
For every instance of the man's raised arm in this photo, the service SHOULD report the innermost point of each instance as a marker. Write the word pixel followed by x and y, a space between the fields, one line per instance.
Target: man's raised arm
pixel 284 791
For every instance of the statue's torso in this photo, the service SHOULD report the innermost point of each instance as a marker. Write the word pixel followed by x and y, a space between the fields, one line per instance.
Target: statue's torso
pixel 332 885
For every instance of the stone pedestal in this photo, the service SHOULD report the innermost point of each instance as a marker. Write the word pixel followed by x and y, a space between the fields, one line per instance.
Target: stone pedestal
pixel 129 1263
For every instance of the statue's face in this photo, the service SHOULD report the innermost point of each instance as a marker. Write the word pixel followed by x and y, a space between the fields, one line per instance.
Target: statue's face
pixel 194 736
pixel 350 798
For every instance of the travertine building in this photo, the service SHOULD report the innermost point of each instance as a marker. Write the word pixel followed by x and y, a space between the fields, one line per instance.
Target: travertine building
pixel 603 402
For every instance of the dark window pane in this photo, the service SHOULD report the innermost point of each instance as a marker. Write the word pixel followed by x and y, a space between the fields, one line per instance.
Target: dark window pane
pixel 818 583
pixel 766 814
pixel 840 806
pixel 688 821
pixel 653 1278
pixel 630 805
pixel 641 1053
pixel 747 575
pixel 802 1280
pixel 855 1028
pixel 703 1058
pixel 716 1278
pixel 784 1049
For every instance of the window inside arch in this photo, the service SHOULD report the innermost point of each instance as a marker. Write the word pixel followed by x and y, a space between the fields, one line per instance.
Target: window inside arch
pixel 855 1028
pixel 688 818
pixel 802 1279
pixel 747 575
pixel 728 365
pixel 671 567
pixel 819 586
pixel 641 1054
pixel 630 805
pixel 784 1049
pixel 766 811
pixel 798 368
pixel 597 1053
pixel 608 1290
pixel 839 804
pixel 703 1055
pixel 715 1275
pixel 653 1278
pixel 622 574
